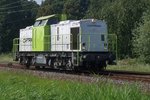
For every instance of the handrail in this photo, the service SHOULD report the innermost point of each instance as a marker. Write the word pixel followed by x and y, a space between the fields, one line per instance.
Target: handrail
pixel 112 40
pixel 15 45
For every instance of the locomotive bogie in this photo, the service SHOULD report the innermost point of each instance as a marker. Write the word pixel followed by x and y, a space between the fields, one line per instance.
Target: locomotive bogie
pixel 66 60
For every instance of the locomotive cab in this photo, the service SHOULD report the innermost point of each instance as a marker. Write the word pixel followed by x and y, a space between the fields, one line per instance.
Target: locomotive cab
pixel 41 33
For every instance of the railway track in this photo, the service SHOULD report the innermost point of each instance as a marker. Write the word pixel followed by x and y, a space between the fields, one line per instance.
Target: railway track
pixel 110 74
pixel 127 75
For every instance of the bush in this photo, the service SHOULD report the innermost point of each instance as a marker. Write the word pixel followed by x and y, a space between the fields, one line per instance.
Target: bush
pixel 141 40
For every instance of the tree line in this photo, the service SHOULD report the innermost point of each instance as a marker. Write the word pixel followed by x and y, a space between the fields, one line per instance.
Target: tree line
pixel 14 15
pixel 128 19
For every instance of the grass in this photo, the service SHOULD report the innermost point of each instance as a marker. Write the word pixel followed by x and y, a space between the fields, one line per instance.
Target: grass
pixel 6 58
pixel 21 86
pixel 130 65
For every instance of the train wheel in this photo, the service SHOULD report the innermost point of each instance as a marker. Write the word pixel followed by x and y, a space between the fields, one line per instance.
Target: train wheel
pixel 43 67
pixel 55 65
pixel 37 67
pixel 69 65
pixel 33 61
pixel 102 66
pixel 49 62
pixel 21 60
pixel 27 63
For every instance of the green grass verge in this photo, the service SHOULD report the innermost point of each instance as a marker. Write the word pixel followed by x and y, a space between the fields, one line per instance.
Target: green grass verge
pixel 6 58
pixel 130 65
pixel 17 86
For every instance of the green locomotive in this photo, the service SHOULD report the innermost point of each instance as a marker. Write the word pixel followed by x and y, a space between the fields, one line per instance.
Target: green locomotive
pixel 59 43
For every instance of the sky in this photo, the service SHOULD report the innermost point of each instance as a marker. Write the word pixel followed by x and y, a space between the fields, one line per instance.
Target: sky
pixel 38 1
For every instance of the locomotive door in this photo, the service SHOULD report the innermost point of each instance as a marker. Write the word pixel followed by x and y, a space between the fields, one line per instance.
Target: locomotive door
pixel 74 40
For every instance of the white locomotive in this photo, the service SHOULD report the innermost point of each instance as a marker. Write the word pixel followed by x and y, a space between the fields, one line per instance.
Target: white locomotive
pixel 69 44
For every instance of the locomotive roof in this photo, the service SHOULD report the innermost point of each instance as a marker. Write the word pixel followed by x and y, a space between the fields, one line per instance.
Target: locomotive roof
pixel 78 21
pixel 27 28
pixel 45 17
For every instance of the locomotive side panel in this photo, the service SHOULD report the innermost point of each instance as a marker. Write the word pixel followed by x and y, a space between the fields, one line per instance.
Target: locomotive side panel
pixel 60 36
pixel 41 38
pixel 74 35
pixel 25 43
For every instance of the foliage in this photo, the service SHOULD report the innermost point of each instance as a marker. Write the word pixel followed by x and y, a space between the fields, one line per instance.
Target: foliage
pixel 129 64
pixel 6 57
pixel 14 15
pixel 76 9
pixel 121 16
pixel 49 7
pixel 26 87
pixel 141 39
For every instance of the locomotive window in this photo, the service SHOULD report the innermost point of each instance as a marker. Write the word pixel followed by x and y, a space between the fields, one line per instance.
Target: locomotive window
pixel 52 21
pixel 102 38
pixel 37 23
pixel 43 22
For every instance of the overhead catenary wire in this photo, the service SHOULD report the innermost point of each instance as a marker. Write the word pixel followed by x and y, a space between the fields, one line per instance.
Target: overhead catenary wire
pixel 16 11
pixel 6 8
pixel 10 12
pixel 18 20
pixel 11 3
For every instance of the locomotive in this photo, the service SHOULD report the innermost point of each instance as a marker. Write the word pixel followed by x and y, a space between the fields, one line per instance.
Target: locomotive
pixel 55 42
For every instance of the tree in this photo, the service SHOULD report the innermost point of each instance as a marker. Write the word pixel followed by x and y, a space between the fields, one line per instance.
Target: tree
pixel 50 7
pixel 76 9
pixel 141 39
pixel 121 17
pixel 15 15
pixel 95 8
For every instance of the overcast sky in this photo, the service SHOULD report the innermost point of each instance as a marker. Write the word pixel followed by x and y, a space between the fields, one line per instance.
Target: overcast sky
pixel 38 1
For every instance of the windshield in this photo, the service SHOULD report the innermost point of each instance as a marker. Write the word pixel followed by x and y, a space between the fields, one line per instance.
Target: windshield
pixel 52 21
pixel 36 23
pixel 40 23
pixel 43 22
